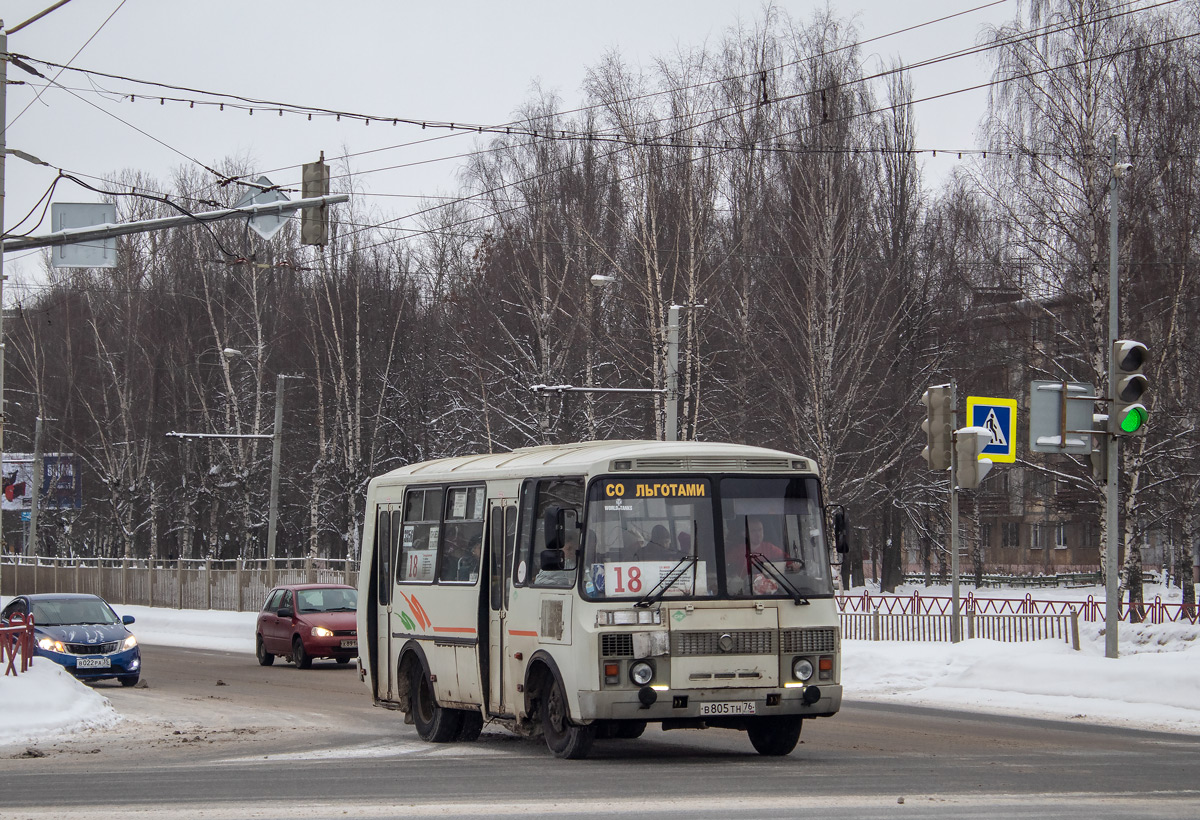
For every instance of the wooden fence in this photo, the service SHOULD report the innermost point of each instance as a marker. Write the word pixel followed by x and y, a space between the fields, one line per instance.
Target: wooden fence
pixel 240 586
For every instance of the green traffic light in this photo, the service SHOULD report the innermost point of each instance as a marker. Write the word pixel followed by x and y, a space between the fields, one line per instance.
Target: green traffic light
pixel 1134 419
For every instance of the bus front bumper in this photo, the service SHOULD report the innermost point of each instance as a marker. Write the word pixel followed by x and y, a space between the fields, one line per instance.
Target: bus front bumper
pixel 704 704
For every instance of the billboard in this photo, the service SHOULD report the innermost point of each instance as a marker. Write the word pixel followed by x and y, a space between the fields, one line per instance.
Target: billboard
pixel 62 486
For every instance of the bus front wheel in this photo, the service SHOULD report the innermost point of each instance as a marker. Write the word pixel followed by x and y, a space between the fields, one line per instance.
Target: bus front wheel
pixel 566 739
pixel 774 736
pixel 434 723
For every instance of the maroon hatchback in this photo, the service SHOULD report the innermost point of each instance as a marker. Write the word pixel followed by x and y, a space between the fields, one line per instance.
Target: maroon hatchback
pixel 306 621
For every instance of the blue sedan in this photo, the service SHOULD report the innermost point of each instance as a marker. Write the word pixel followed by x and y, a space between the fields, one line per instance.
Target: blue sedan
pixel 82 633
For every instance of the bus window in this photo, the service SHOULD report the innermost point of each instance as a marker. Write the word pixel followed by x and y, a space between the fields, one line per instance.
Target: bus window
pixel 776 521
pixel 647 534
pixel 420 535
pixel 566 493
pixel 394 542
pixel 510 543
pixel 462 542
pixel 383 556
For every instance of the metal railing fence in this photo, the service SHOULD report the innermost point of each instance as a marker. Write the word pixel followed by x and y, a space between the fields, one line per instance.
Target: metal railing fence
pixel 232 585
pixel 16 641
pixel 1089 608
pixel 935 626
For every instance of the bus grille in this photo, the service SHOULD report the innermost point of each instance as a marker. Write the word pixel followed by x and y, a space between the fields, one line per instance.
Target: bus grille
pixel 616 645
pixel 749 642
pixel 808 640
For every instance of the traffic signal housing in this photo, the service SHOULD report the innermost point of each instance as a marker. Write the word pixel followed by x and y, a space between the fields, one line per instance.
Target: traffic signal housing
pixel 314 222
pixel 1129 415
pixel 938 426
pixel 969 443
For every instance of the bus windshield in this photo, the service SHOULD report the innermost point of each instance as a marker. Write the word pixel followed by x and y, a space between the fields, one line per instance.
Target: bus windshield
pixel 774 537
pixel 657 537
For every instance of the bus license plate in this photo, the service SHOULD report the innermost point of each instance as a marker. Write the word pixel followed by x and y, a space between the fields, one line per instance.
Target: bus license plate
pixel 93 663
pixel 728 707
pixel 349 644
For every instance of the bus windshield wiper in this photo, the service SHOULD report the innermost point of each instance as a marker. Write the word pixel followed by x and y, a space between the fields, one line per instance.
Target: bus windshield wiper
pixel 667 581
pixel 769 569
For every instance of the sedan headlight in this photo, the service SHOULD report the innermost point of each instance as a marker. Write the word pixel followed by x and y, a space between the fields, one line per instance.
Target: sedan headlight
pixel 130 642
pixel 802 668
pixel 322 632
pixel 51 645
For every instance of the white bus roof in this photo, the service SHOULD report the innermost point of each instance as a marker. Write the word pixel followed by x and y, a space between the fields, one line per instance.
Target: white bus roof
pixel 600 457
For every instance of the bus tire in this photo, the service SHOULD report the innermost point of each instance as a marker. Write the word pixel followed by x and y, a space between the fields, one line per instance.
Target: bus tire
pixel 471 726
pixel 564 738
pixel 774 736
pixel 435 724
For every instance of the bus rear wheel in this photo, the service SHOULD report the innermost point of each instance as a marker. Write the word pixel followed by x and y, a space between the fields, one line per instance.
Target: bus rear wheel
pixel 564 738
pixel 471 726
pixel 774 736
pixel 435 724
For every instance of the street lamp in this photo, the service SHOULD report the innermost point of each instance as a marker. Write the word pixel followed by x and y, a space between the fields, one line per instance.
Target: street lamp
pixel 276 437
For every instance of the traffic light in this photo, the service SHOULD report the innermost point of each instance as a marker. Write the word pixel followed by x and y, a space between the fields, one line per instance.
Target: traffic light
pixel 968 447
pixel 1129 414
pixel 938 426
pixel 314 222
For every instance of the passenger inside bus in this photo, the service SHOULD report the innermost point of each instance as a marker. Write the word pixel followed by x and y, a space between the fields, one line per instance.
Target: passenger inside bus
pixel 468 564
pixel 658 548
pixel 745 536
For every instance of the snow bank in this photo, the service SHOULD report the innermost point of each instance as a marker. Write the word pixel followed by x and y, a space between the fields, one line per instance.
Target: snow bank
pixel 46 701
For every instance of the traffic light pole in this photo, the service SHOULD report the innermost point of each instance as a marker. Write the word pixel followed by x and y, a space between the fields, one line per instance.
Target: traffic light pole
pixel 1112 598
pixel 955 622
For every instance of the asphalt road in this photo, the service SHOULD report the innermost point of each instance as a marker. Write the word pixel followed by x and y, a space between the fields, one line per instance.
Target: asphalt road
pixel 214 735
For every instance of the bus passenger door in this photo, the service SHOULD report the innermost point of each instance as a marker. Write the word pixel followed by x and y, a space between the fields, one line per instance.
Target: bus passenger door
pixel 388 529
pixel 502 536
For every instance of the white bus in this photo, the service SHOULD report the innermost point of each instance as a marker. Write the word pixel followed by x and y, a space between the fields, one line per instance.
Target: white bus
pixel 581 591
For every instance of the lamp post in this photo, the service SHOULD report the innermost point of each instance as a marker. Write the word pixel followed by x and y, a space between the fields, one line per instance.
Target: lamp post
pixel 276 437
pixel 276 446
pixel 671 391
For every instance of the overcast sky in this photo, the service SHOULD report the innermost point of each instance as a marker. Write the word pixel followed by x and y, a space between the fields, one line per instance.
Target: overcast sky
pixel 471 61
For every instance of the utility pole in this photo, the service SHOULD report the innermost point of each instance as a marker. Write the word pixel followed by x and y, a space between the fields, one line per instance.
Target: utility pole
pixel 955 605
pixel 1112 599
pixel 276 446
pixel 3 154
pixel 672 404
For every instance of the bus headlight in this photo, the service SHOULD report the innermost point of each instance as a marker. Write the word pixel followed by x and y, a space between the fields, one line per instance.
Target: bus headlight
pixel 802 669
pixel 641 673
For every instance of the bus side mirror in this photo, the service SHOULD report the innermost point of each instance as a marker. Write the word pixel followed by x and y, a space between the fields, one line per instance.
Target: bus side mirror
pixel 551 559
pixel 555 522
pixel 841 530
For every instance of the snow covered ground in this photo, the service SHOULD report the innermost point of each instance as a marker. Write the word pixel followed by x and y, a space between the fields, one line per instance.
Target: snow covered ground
pixel 1153 685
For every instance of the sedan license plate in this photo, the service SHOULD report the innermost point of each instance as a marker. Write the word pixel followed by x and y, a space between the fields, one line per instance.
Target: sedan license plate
pixel 728 707
pixel 93 663
pixel 349 644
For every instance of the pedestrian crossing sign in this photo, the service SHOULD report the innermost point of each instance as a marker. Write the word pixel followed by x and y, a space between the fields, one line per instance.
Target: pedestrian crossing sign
pixel 999 416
